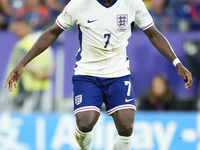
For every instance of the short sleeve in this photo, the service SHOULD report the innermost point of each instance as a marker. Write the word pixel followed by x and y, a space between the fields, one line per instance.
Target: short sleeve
pixel 68 17
pixel 142 18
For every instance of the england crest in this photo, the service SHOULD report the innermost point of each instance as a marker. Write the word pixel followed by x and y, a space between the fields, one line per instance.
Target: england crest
pixel 78 99
pixel 122 20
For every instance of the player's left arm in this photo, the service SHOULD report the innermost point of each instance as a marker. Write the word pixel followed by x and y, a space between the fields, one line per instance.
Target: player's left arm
pixel 164 47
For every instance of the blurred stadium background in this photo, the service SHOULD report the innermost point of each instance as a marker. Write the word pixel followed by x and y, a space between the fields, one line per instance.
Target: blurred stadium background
pixel 51 128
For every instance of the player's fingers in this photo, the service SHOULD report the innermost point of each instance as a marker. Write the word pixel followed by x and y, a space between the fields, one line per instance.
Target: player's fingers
pixel 17 77
pixel 10 85
pixel 184 77
pixel 16 80
pixel 14 77
pixel 189 82
pixel 7 81
pixel 15 84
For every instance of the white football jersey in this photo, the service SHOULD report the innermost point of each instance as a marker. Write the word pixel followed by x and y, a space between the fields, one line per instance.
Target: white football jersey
pixel 103 34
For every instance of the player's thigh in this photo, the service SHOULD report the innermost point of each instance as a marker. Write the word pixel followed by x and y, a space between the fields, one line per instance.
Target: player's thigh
pixel 88 99
pixel 124 120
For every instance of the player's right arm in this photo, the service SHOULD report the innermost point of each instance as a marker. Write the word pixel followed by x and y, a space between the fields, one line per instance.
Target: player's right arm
pixel 42 43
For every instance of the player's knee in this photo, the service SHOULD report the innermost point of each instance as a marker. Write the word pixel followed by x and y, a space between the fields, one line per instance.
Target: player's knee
pixel 85 127
pixel 126 130
pixel 86 120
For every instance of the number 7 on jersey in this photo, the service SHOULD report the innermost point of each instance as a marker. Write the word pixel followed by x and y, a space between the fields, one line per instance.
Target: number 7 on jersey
pixel 108 38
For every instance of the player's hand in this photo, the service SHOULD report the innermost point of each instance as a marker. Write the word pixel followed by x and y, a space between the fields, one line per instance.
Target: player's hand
pixel 185 75
pixel 14 77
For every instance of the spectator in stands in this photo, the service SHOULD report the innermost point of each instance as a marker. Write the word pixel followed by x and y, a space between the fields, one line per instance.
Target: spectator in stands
pixel 194 7
pixel 7 11
pixel 36 13
pixel 2 22
pixel 6 8
pixel 36 95
pixel 187 13
pixel 55 6
pixel 159 97
pixel 163 16
pixel 197 5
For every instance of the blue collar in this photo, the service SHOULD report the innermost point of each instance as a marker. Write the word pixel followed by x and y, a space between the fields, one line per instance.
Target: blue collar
pixel 103 4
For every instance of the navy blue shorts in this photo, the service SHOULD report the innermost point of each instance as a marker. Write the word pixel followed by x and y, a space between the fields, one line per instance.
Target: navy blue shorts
pixel 91 92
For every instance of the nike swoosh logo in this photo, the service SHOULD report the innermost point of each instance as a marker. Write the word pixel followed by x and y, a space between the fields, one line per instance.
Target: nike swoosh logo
pixel 128 100
pixel 90 21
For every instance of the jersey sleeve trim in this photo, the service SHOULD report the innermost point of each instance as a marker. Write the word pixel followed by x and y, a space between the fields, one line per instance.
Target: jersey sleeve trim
pixel 60 25
pixel 148 26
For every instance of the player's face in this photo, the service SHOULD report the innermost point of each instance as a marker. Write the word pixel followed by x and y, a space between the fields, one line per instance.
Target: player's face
pixel 107 2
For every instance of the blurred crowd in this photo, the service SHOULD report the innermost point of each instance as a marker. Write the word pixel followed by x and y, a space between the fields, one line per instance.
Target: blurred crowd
pixel 39 13
pixel 168 15
pixel 175 15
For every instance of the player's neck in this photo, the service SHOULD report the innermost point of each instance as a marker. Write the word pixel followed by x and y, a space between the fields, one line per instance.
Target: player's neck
pixel 107 2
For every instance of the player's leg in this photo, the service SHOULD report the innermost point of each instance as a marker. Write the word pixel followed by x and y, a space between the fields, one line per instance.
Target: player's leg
pixel 120 103
pixel 88 99
pixel 124 123
pixel 83 133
